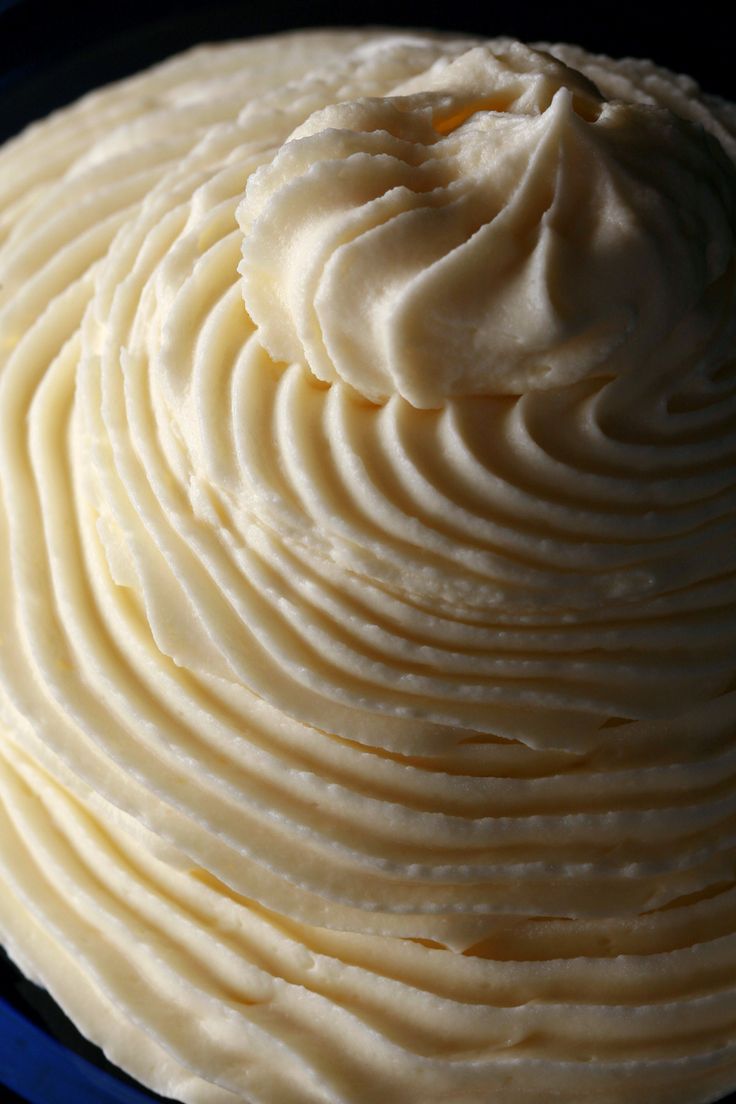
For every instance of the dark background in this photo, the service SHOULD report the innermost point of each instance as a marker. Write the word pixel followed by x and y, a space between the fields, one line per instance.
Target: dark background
pixel 51 52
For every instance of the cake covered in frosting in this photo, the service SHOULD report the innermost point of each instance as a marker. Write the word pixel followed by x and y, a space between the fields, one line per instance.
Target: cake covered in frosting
pixel 368 573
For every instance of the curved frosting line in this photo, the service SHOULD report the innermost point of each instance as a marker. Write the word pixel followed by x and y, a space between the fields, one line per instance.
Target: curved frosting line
pixel 498 229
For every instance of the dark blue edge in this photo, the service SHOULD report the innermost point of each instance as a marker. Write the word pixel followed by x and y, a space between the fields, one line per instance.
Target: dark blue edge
pixel 37 1027
pixel 43 1071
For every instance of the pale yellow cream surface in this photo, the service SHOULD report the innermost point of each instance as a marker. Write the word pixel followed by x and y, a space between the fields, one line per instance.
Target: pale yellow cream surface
pixel 368 573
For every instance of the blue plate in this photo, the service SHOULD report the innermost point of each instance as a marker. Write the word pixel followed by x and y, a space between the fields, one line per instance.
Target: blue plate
pixel 43 1071
pixel 44 1059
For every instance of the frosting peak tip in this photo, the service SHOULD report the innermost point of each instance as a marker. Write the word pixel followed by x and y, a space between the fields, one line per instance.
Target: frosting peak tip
pixel 494 226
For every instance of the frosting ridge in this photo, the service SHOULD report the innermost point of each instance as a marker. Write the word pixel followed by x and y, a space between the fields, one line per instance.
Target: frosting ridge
pixel 498 227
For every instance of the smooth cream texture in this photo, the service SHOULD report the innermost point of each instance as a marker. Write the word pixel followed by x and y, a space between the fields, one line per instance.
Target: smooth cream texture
pixel 367 731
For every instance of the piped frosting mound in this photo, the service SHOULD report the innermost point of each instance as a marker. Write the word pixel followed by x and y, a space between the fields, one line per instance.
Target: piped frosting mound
pixel 497 226
pixel 367 573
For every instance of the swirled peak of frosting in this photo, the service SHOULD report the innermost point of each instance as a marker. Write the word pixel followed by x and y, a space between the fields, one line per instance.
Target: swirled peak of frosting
pixel 495 226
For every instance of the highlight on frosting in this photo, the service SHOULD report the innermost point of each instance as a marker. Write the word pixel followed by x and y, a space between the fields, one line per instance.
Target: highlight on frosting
pixel 367 602
pixel 497 226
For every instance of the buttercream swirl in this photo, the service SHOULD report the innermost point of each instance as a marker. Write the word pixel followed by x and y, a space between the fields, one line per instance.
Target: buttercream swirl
pixel 498 227
pixel 367 584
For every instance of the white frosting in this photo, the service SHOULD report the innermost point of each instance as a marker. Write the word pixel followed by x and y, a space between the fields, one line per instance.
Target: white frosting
pixel 350 750
pixel 496 228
